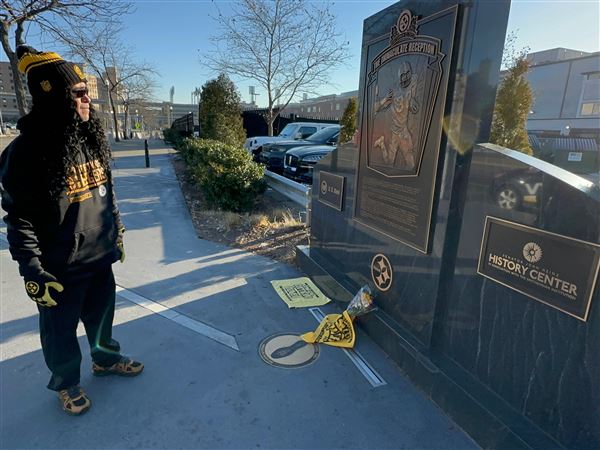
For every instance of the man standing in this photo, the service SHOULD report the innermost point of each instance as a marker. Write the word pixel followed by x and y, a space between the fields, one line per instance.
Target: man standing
pixel 63 225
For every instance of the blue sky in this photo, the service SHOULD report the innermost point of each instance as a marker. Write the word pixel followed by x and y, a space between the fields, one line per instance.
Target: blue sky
pixel 173 34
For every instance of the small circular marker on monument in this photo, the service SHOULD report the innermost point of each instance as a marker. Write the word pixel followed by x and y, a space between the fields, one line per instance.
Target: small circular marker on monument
pixel 288 351
pixel 323 187
pixel 382 272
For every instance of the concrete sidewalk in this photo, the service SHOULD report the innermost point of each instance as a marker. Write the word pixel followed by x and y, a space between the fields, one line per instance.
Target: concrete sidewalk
pixel 184 306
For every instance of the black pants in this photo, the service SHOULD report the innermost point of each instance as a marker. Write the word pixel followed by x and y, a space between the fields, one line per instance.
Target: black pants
pixel 91 298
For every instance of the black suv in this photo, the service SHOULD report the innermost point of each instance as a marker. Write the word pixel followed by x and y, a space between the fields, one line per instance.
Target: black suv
pixel 272 154
pixel 299 162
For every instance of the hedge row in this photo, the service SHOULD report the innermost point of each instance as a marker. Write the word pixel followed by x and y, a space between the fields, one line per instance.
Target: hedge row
pixel 226 174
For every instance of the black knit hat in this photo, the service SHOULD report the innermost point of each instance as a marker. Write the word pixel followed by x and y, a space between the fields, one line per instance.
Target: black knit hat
pixel 48 75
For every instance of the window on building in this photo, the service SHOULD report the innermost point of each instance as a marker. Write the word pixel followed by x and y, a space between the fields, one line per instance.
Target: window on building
pixel 590 109
pixel 337 106
pixel 593 76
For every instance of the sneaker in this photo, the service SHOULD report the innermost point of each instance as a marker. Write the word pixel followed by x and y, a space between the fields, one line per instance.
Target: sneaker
pixel 74 401
pixel 125 367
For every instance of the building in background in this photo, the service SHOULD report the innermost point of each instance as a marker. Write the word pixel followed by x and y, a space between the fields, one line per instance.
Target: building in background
pixel 8 98
pixel 566 93
pixel 330 107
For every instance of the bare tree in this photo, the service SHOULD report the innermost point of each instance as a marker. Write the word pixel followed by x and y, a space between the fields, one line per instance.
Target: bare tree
pixel 115 66
pixel 58 17
pixel 134 90
pixel 286 46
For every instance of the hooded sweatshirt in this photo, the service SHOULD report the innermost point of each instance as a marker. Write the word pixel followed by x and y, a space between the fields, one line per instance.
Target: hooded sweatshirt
pixel 72 233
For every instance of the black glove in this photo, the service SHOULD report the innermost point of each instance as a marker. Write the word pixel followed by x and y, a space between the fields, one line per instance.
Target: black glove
pixel 120 245
pixel 38 288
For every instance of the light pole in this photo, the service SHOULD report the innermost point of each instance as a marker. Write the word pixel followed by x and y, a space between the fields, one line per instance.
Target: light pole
pixel 170 116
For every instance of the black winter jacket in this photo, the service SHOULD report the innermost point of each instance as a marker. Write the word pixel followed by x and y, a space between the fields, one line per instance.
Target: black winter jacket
pixel 70 234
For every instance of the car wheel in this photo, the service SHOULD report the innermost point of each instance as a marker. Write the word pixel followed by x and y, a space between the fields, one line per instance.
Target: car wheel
pixel 508 198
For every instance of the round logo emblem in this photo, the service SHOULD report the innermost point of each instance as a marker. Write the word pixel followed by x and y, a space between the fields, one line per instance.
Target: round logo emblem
pixel 323 187
pixel 78 71
pixel 46 86
pixel 532 252
pixel 381 272
pixel 32 287
pixel 288 351
pixel 102 190
pixel 404 21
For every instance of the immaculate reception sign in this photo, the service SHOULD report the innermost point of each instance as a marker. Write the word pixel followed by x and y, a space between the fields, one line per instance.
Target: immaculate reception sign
pixel 406 75
pixel 553 269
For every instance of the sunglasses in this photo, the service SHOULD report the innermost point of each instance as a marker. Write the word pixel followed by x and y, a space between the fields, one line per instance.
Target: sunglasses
pixel 80 93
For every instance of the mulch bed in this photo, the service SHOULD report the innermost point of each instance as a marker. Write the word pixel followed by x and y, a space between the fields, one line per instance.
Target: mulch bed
pixel 273 240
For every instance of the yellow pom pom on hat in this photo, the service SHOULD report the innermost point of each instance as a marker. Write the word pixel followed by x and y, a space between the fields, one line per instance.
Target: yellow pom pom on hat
pixel 48 74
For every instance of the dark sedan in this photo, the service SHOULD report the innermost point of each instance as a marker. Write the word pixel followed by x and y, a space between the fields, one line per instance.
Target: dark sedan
pixel 299 162
pixel 272 154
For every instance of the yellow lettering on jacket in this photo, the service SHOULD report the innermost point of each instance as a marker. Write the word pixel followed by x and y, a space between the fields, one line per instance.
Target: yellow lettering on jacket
pixel 82 178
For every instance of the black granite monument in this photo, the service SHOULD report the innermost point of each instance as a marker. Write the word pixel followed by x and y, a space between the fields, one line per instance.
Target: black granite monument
pixel 491 307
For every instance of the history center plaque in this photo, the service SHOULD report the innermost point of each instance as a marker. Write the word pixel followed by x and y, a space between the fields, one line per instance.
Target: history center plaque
pixel 556 270
pixel 406 80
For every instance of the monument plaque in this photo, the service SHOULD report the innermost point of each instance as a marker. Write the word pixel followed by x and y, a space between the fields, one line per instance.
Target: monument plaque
pixel 401 127
pixel 331 189
pixel 556 270
pixel 414 232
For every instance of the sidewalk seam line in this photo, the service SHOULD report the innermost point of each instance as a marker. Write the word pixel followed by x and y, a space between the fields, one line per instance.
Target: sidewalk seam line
pixel 181 319
pixel 357 359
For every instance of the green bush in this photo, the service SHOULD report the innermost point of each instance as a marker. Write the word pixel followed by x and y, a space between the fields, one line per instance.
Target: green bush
pixel 226 174
pixel 229 130
pixel 220 114
pixel 188 148
pixel 172 137
pixel 349 121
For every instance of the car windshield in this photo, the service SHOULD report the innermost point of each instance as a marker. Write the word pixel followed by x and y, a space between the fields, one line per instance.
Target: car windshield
pixel 287 131
pixel 324 135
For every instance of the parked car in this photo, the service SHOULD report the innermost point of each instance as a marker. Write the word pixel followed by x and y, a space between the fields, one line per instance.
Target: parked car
pixel 517 189
pixel 272 154
pixel 294 130
pixel 299 161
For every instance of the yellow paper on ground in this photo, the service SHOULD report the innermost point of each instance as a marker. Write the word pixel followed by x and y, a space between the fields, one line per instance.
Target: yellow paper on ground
pixel 334 329
pixel 299 292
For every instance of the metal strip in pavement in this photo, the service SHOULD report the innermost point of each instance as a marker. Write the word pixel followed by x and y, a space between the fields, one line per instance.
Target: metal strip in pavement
pixel 357 359
pixel 185 321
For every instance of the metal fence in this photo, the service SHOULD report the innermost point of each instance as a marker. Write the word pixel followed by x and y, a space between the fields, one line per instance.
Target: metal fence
pixel 184 124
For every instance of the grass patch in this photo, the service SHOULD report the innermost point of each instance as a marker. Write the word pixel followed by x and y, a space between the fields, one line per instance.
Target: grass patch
pixel 277 219
pixel 284 218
